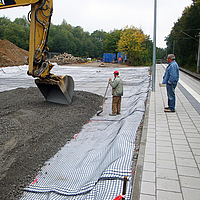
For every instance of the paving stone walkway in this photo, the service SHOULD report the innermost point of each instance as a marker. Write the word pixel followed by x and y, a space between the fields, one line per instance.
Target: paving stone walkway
pixel 169 159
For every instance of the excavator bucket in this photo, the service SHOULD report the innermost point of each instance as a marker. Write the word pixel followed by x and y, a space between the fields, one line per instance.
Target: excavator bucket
pixel 59 91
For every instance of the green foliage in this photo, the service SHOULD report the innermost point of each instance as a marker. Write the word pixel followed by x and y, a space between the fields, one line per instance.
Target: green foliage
pixel 66 38
pixel 4 22
pixel 183 40
pixel 161 54
pixel 97 39
pixel 136 45
pixel 17 32
pixel 110 43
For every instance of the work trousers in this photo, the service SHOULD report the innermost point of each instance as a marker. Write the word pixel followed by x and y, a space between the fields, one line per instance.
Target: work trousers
pixel 171 96
pixel 116 104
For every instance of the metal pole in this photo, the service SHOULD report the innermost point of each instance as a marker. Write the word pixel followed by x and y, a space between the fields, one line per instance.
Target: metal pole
pixel 198 60
pixel 154 49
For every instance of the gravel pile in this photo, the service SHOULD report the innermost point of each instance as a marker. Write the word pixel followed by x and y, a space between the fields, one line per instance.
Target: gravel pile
pixel 66 58
pixel 32 130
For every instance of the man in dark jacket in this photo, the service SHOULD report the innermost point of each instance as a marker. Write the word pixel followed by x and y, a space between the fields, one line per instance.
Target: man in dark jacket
pixel 117 92
pixel 171 78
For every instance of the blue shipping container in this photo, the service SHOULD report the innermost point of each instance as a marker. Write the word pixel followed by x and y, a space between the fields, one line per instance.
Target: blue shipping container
pixel 122 56
pixel 109 57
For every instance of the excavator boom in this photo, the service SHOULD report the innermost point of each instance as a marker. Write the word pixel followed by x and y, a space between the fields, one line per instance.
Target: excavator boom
pixel 57 89
pixel 14 3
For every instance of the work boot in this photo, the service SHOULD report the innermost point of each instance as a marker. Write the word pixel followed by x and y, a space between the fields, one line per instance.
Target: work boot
pixel 168 110
pixel 112 114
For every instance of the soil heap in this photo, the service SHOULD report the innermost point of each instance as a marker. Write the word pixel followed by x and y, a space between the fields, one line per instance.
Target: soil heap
pixel 10 54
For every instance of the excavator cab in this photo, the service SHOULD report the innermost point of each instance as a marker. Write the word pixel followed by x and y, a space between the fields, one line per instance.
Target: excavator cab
pixel 56 89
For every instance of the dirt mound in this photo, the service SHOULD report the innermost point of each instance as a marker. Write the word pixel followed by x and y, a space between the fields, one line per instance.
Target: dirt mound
pixel 10 54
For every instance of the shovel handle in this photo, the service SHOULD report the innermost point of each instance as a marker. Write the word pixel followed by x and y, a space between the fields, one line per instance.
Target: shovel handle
pixel 124 187
pixel 105 95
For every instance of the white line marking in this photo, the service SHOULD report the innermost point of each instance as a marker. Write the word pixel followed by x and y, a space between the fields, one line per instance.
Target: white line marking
pixel 190 90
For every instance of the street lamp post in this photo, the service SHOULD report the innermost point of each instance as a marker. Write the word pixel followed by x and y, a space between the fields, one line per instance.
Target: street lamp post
pixel 154 49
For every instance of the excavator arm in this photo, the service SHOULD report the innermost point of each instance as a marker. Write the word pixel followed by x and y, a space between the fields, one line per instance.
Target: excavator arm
pixel 57 89
pixel 14 3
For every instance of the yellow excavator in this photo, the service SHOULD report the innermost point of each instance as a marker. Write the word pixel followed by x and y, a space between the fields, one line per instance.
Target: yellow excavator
pixel 57 89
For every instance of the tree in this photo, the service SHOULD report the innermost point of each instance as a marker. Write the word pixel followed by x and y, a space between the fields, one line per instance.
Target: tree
pixel 97 38
pixel 183 40
pixel 132 42
pixel 4 22
pixel 22 21
pixel 17 35
pixel 110 44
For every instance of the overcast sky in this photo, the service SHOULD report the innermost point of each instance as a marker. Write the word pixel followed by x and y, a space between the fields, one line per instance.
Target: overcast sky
pixel 108 15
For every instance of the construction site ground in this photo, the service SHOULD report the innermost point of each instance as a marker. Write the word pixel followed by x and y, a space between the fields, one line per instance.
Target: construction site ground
pixel 33 130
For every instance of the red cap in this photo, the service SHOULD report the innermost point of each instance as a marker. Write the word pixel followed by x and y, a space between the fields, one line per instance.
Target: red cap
pixel 116 72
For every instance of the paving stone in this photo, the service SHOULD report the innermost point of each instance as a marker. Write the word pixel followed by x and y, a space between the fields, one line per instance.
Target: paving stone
pixel 196 152
pixel 179 147
pixel 148 188
pixel 169 185
pixel 167 164
pixel 150 158
pixel 194 145
pixel 188 171
pixel 192 135
pixel 182 154
pixel 191 182
pixel 166 174
pixel 150 151
pixel 176 136
pixel 179 141
pixel 150 145
pixel 166 195
pixel 164 149
pixel 163 138
pixel 151 139
pixel 163 143
pixel 190 193
pixel 149 166
pixel 197 158
pixel 194 140
pixel 149 176
pixel 186 162
pixel 177 132
pixel 165 156
pixel 147 197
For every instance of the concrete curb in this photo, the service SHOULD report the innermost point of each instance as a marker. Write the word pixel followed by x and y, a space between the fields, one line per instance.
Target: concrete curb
pixel 140 162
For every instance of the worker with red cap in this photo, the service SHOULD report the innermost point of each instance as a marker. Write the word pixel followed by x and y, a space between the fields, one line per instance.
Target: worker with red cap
pixel 117 92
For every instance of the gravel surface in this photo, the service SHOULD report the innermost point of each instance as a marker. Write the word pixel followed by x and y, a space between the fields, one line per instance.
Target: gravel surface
pixel 32 130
